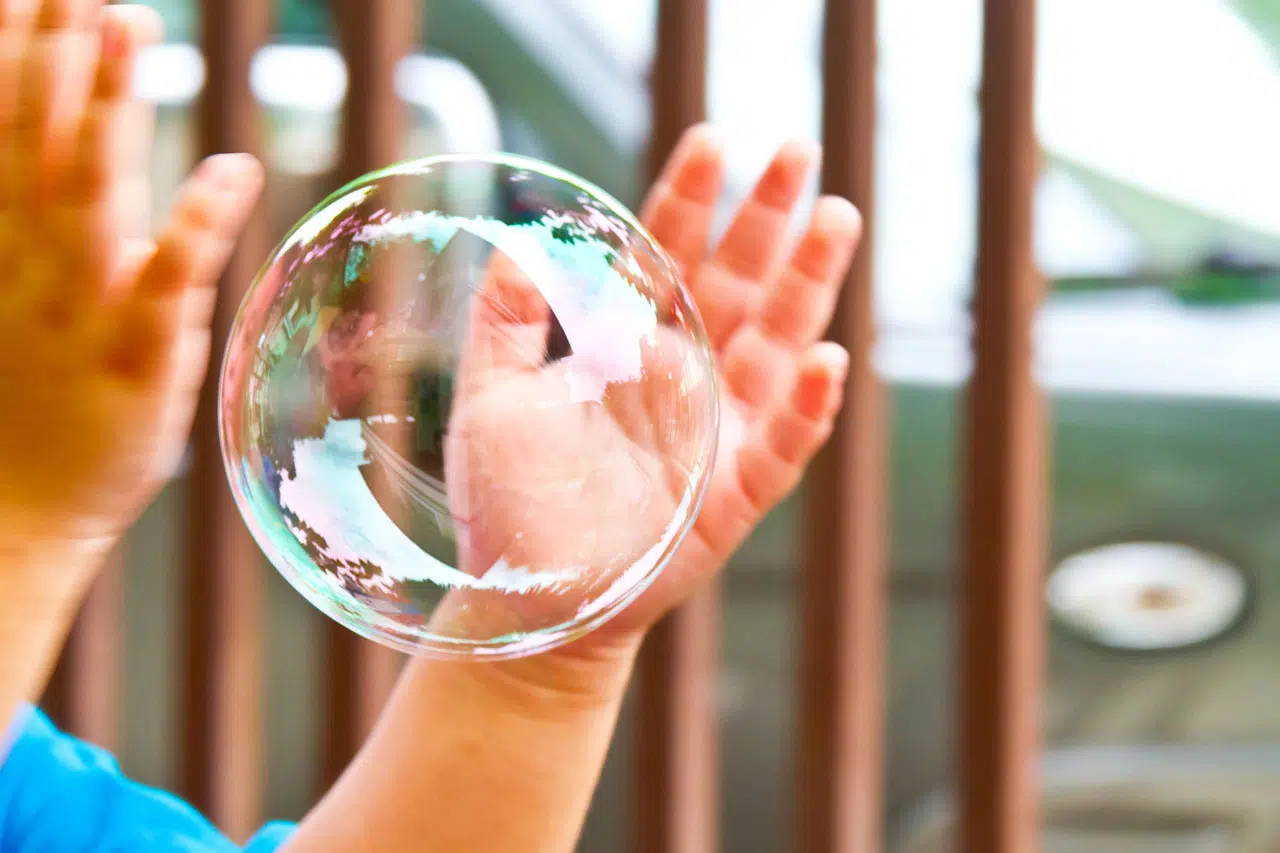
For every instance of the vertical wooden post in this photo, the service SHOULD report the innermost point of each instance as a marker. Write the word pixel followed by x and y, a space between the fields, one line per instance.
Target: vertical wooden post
pixel 839 749
pixel 83 697
pixel 1006 499
pixel 375 36
pixel 94 660
pixel 675 797
pixel 221 704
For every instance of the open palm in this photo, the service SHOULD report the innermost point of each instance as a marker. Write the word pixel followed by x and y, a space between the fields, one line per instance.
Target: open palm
pixel 555 471
pixel 103 331
pixel 540 481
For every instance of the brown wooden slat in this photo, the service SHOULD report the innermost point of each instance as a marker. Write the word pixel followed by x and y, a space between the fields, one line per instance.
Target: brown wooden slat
pixel 675 800
pixel 676 760
pixel 221 705
pixel 839 747
pixel 375 35
pixel 57 692
pixel 1006 498
pixel 94 664
pixel 83 695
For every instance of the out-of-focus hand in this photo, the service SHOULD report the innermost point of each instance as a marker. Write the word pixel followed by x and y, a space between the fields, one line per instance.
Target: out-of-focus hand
pixel 104 331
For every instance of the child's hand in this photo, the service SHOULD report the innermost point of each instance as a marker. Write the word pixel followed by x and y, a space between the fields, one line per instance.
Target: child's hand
pixel 104 332
pixel 532 733
pixel 542 482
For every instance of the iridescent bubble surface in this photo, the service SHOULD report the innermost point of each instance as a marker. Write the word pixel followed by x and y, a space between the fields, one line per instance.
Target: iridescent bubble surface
pixel 467 408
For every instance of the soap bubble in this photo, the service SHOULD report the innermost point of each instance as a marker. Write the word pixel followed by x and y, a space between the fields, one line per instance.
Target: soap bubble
pixel 467 408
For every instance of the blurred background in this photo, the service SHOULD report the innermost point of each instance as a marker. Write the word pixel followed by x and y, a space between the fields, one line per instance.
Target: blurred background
pixel 1158 227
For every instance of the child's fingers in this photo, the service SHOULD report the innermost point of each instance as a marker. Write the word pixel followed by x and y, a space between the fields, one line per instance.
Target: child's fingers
pixel 759 361
pixel 514 312
pixel 680 209
pixel 211 211
pixel 58 65
pixel 105 194
pixel 126 31
pixel 18 14
pixel 176 286
pixel 116 135
pixel 509 325
pixel 779 448
pixel 799 428
pixel 17 19
pixel 756 239
pixel 754 243
pixel 65 14
pixel 798 308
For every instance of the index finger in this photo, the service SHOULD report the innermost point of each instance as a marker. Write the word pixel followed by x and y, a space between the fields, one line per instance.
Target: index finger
pixel 681 206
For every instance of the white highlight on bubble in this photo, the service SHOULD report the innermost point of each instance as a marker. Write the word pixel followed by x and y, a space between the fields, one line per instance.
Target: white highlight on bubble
pixel 604 328
pixel 330 496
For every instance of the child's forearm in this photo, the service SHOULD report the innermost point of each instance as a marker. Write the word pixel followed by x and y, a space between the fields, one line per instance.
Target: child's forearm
pixel 468 756
pixel 41 587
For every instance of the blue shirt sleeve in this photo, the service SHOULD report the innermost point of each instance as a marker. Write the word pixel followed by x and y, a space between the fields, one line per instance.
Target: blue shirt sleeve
pixel 61 795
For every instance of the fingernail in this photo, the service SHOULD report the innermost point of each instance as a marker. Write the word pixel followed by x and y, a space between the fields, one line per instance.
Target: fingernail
pixel 840 365
pixel 228 172
pixel 809 149
pixel 709 133
pixel 838 213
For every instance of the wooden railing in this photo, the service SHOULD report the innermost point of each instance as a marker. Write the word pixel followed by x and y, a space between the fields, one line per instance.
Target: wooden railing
pixel 843 601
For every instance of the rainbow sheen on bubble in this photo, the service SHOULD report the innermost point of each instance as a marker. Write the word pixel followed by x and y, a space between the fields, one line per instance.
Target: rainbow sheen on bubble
pixel 467 407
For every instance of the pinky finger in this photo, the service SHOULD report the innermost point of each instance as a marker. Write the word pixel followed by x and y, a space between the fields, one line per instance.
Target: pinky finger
pixel 771 465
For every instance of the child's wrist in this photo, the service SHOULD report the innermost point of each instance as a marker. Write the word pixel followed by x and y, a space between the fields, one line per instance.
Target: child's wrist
pixel 42 584
pixel 584 676
pixel 49 571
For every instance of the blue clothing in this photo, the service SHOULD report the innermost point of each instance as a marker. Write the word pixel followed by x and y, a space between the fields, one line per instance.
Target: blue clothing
pixel 61 795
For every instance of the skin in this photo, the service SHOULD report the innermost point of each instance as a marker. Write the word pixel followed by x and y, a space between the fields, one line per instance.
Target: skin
pixel 104 339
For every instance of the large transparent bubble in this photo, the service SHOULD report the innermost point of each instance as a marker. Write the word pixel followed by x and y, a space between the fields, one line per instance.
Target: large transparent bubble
pixel 468 408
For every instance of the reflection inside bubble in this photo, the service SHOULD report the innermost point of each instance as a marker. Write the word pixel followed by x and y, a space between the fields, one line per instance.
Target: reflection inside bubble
pixel 468 407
